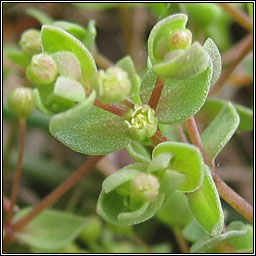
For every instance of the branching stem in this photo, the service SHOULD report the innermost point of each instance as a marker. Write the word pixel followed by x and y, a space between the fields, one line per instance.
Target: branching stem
pixel 17 176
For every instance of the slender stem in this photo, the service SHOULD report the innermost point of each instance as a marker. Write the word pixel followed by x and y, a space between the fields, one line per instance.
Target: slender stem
pixel 17 176
pixel 181 241
pixel 227 193
pixel 156 93
pixel 113 108
pixel 225 75
pixel 101 60
pixel 70 181
pixel 231 53
pixel 240 17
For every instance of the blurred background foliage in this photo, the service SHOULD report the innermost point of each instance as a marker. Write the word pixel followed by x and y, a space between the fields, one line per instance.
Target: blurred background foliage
pixel 122 29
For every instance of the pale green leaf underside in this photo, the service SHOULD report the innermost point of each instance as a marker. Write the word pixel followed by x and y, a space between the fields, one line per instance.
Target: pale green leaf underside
pixel 212 107
pixel 190 63
pixel 180 99
pixel 90 130
pixel 113 209
pixel 127 64
pixel 159 35
pixel 51 230
pixel 186 159
pixel 220 130
pixel 206 207
pixel 213 51
pixel 55 39
pixel 138 152
pixel 235 229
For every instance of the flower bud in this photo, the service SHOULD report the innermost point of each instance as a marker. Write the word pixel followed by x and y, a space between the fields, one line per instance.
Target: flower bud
pixel 42 69
pixel 145 187
pixel 30 41
pixel 141 122
pixel 181 39
pixel 114 85
pixel 20 101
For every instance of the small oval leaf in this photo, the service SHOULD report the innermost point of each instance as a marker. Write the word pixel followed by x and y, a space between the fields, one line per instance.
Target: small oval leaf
pixel 186 159
pixel 90 130
pixel 220 130
pixel 206 207
pixel 180 99
pixel 55 39
pixel 186 65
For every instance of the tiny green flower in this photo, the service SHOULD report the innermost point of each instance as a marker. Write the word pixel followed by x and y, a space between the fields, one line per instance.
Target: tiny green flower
pixel 42 69
pixel 114 85
pixel 145 187
pixel 181 39
pixel 20 101
pixel 30 42
pixel 141 122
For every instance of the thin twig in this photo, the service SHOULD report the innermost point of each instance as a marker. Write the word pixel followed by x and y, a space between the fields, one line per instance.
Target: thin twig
pixel 239 16
pixel 17 176
pixel 70 181
pixel 181 241
pixel 113 108
pixel 156 93
pixel 225 75
pixel 227 193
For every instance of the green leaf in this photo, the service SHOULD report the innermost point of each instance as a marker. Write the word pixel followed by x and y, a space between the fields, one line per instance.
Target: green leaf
pixel 206 207
pixel 17 56
pixel 138 152
pixel 187 64
pixel 121 176
pixel 74 29
pixel 158 41
pixel 55 39
pixel 175 210
pixel 244 243
pixel 68 64
pixel 213 106
pixel 69 90
pixel 113 209
pixel 186 159
pixel 193 232
pixel 90 130
pixel 40 16
pixel 215 57
pixel 234 229
pixel 51 230
pixel 220 130
pixel 127 64
pixel 180 99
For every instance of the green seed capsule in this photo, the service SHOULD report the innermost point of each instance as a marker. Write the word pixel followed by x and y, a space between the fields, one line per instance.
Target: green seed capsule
pixel 145 187
pixel 42 69
pixel 141 122
pixel 20 101
pixel 181 39
pixel 30 42
pixel 114 85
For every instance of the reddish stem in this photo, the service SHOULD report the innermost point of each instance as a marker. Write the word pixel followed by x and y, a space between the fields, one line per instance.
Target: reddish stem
pixel 156 93
pixel 17 177
pixel 225 75
pixel 240 17
pixel 70 181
